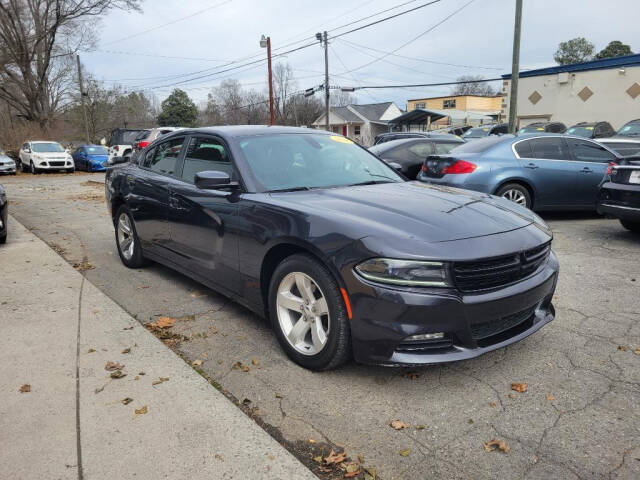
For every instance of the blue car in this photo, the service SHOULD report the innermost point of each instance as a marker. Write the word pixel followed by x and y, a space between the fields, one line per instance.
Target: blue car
pixel 540 172
pixel 92 158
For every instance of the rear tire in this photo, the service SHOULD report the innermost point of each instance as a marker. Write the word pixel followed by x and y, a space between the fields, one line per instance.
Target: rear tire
pixel 3 239
pixel 516 193
pixel 127 241
pixel 631 226
pixel 311 338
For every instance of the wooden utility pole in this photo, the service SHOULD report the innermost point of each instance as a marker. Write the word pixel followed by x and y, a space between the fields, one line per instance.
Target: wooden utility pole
pixel 515 69
pixel 271 114
pixel 84 109
pixel 326 81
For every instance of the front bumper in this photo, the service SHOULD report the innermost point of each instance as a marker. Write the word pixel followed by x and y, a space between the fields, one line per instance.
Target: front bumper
pixel 55 165
pixel 7 169
pixel 473 324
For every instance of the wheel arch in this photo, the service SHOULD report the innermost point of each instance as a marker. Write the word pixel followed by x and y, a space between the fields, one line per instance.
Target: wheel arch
pixel 282 249
pixel 520 181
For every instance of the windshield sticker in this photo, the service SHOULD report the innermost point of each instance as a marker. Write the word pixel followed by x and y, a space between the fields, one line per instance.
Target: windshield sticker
pixel 485 129
pixel 589 128
pixel 540 129
pixel 338 139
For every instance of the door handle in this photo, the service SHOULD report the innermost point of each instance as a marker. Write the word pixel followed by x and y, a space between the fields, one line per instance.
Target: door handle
pixel 586 170
pixel 532 166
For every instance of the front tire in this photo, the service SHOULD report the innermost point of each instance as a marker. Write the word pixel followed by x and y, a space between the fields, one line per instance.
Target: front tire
pixel 516 193
pixel 33 168
pixel 308 314
pixel 631 226
pixel 127 240
pixel 3 239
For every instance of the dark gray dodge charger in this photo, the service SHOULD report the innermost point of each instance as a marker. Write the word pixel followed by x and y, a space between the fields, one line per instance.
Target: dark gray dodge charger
pixel 342 254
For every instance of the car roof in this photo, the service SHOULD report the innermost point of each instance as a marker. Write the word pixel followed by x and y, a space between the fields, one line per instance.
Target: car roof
pixel 402 141
pixel 231 131
pixel 619 138
pixel 41 141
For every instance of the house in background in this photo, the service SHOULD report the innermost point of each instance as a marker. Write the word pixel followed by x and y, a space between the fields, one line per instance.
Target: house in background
pixel 360 123
pixel 457 109
pixel 599 90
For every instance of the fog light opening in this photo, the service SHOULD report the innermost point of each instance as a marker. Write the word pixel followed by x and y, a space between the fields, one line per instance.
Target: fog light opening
pixel 425 336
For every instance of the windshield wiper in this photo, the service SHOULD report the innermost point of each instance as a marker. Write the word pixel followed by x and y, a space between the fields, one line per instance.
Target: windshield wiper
pixel 370 182
pixel 291 189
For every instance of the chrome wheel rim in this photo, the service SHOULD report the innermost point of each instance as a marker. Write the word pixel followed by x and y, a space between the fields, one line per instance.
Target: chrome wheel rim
pixel 303 313
pixel 33 168
pixel 516 196
pixel 125 236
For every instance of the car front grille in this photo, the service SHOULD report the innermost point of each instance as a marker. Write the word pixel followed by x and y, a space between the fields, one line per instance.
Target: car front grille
pixel 56 164
pixel 499 271
pixel 482 332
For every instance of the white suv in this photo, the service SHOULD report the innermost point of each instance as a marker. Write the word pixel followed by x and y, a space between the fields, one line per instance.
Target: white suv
pixel 38 156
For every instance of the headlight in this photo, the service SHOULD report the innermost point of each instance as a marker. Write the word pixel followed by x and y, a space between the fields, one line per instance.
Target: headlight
pixel 405 272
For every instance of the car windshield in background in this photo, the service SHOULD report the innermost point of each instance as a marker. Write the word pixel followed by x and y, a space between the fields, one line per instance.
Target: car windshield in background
pixel 480 145
pixel 477 132
pixel 632 130
pixel 47 147
pixel 97 150
pixel 301 161
pixel 581 131
pixel 446 147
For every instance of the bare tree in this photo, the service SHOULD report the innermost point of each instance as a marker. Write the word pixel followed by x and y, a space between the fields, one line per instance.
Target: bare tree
pixel 338 98
pixel 471 85
pixel 284 86
pixel 36 38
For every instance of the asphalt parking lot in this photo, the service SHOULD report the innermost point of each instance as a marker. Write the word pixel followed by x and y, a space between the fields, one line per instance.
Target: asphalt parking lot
pixel 579 416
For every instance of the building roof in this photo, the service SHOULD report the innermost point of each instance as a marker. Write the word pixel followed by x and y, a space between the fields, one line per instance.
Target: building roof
pixel 420 115
pixel 372 111
pixel 454 96
pixel 615 62
pixel 346 114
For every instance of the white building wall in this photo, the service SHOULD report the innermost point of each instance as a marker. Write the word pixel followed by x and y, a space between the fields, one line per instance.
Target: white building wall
pixel 560 99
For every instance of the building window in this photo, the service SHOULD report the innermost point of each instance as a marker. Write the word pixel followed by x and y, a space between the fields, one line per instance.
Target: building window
pixel 420 105
pixel 449 103
pixel 356 130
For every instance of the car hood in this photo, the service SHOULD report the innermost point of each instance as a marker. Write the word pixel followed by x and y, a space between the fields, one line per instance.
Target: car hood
pixel 413 210
pixel 98 158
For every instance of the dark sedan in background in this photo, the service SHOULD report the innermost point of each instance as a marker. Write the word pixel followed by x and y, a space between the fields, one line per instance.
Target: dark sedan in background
pixel 410 153
pixel 541 172
pixel 548 127
pixel 334 247
pixel 4 213
pixel 619 195
pixel 592 130
pixel 485 131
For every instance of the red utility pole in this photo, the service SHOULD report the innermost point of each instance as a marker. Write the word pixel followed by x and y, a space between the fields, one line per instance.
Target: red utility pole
pixel 271 121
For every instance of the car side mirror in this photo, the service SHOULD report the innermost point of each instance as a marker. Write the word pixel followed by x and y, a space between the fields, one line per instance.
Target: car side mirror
pixel 28 150
pixel 396 166
pixel 214 180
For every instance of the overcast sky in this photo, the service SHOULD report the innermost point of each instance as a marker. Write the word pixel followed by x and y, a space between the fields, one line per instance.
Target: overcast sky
pixel 479 38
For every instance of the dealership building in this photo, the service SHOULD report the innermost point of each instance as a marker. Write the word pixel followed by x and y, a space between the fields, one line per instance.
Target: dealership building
pixel 599 90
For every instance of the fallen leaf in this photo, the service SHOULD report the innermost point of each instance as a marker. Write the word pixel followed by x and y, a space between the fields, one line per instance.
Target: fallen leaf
pixel 470 421
pixel 351 470
pixel 496 445
pixel 220 362
pixel 511 395
pixel 420 427
pixel 83 266
pixel 196 363
pixel 204 354
pixel 160 380
pixel 398 425
pixel 334 458
pixel 279 395
pixel 113 366
pixel 311 440
pixel 128 328
pixel 126 401
pixel 197 293
pixel 411 375
pixel 370 472
pixel 143 286
pixel 550 397
pixel 91 350
pixel 246 401
pixel 519 387
pixel 162 322
pixel 98 390
pixel 622 348
pixel 317 459
pixel 637 351
pixel 255 362
pixel 241 366
pixel 126 350
pixel 117 374
pixel 142 410
pixel 164 379
pixel 405 452
pixel 493 404
pixel 141 373
pixel 213 330
pixel 136 377
pixel 26 388
pixel 361 458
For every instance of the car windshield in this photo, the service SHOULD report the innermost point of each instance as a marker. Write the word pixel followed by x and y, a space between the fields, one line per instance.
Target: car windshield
pixel 302 161
pixel 531 129
pixel 582 131
pixel 97 150
pixel 632 130
pixel 477 132
pixel 46 147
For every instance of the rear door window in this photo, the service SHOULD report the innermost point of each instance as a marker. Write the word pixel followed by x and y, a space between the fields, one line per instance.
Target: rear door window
pixel 590 151
pixel 523 149
pixel 550 148
pixel 205 153
pixel 164 158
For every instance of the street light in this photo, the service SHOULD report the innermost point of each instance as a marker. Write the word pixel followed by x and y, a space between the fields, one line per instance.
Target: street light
pixel 265 42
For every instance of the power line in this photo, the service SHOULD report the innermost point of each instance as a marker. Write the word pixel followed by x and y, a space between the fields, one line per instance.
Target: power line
pixel 442 84
pixel 430 29
pixel 211 7
pixel 374 15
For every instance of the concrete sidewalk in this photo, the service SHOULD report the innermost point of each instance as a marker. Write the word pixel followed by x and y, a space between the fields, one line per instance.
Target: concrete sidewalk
pixel 59 331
